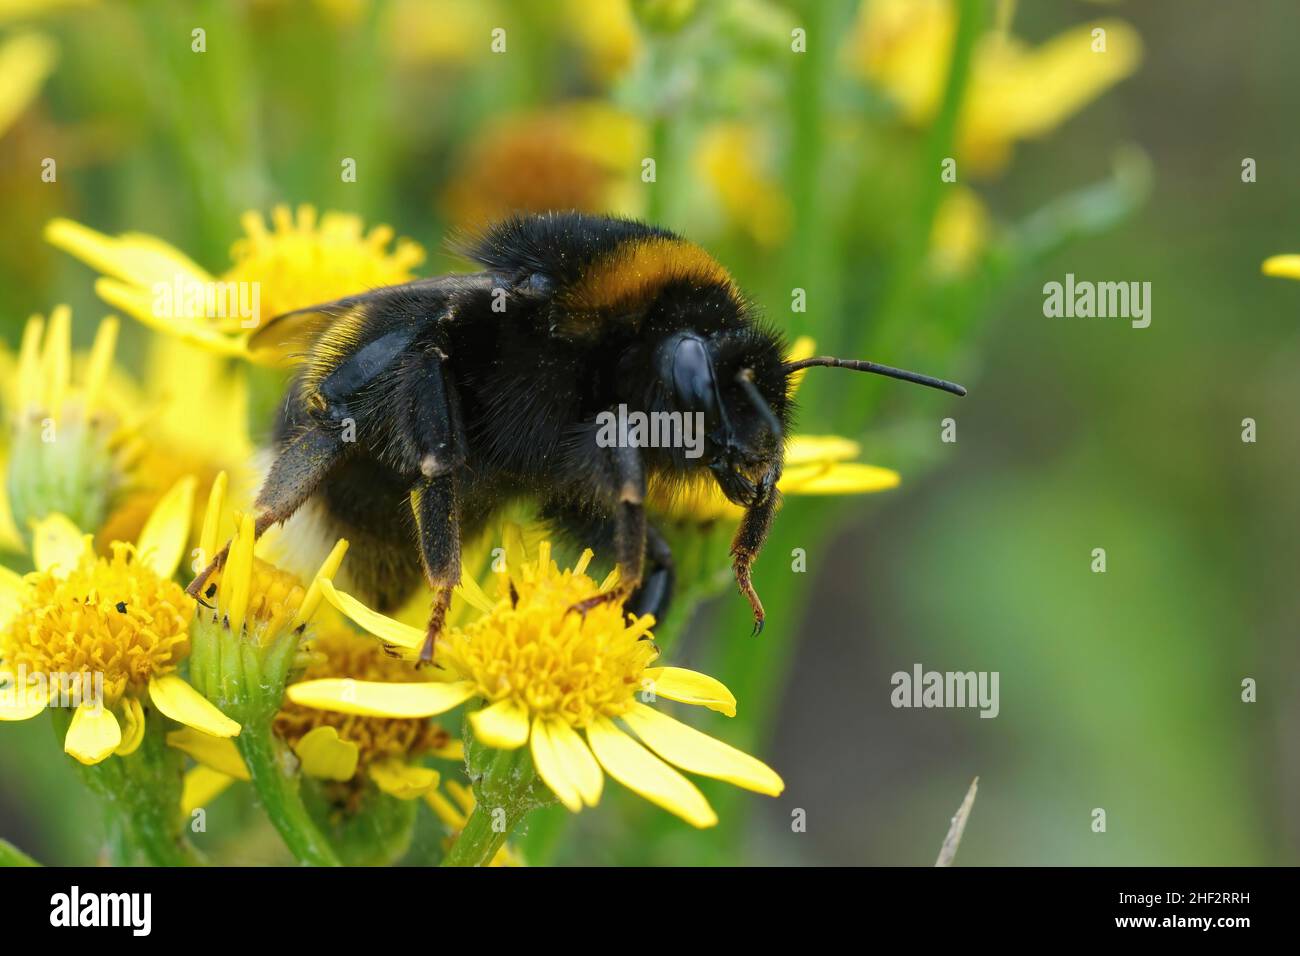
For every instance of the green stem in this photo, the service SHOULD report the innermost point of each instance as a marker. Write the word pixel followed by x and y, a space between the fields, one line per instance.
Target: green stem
pixel 10 855
pixel 142 793
pixel 506 789
pixel 479 842
pixel 281 798
pixel 940 144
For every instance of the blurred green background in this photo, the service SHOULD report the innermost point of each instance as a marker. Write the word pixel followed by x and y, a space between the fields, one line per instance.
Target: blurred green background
pixel 1119 691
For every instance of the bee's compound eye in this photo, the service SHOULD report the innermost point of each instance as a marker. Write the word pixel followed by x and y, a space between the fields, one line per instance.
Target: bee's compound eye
pixel 540 284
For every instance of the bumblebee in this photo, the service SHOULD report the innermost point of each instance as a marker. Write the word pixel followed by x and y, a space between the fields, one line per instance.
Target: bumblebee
pixel 420 411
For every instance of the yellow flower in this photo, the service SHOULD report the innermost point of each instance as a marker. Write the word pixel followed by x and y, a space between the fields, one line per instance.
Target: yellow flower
pixel 581 155
pixel 301 260
pixel 440 32
pixel 1014 92
pixel 558 682
pixel 730 159
pixel 1284 266
pixel 814 465
pixel 182 383
pixel 26 59
pixel 346 750
pixel 606 34
pixel 960 232
pixel 103 634
pixel 69 451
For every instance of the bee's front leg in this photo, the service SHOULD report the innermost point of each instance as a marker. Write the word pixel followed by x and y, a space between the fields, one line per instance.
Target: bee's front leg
pixel 298 470
pixel 749 539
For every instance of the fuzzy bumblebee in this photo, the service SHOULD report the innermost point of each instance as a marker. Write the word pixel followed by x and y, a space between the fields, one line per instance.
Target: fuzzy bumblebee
pixel 422 410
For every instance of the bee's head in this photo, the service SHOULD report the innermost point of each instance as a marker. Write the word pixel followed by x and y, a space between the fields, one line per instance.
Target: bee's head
pixel 734 385
pixel 688 340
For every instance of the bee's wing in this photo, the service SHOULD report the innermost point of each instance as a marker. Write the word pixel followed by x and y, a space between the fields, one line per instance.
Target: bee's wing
pixel 291 332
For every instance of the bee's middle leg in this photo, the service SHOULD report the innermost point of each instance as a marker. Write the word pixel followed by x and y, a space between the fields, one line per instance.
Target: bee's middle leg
pixel 437 522
pixel 624 480
pixel 657 580
pixel 438 453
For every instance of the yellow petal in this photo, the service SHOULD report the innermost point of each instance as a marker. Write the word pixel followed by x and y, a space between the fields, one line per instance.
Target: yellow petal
pixel 804 347
pixel 454 750
pixel 100 362
pixel 133 729
pixel 200 787
pixel 93 734
pixel 503 725
pixel 183 704
pixel 21 703
pixel 576 760
pixel 212 517
pixel 26 59
pixel 325 572
pixel 550 768
pixel 380 625
pixel 811 449
pixel 840 478
pixel 235 587
pixel 137 259
pixel 138 302
pixel 1286 266
pixel 689 687
pixel 641 771
pixel 218 753
pixel 402 780
pixel 452 818
pixel 11 593
pixel 699 753
pixel 58 544
pixel 326 756
pixel 167 529
pixel 472 594
pixel 378 699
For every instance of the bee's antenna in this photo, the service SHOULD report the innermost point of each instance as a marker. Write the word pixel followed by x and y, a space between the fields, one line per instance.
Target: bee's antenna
pixel 746 380
pixel 877 369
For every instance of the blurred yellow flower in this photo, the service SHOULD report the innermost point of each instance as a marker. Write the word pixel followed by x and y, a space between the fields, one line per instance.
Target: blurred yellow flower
pixel 960 233
pixel 26 59
pixel 557 681
pixel 731 158
pixel 67 416
pixel 301 260
pixel 1015 92
pixel 103 635
pixel 814 465
pixel 443 32
pixel 1285 266
pixel 582 155
pixel 606 33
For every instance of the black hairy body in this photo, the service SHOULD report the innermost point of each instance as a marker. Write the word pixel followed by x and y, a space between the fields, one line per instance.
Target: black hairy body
pixel 422 410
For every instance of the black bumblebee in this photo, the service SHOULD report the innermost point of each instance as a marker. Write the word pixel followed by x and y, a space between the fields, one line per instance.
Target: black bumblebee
pixel 422 409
